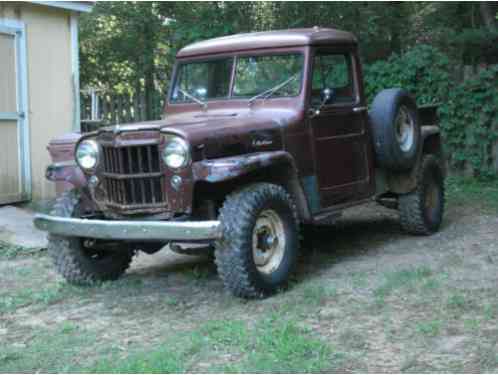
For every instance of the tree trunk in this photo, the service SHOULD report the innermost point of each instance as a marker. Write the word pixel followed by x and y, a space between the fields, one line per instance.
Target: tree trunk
pixel 488 15
pixel 149 66
pixel 149 93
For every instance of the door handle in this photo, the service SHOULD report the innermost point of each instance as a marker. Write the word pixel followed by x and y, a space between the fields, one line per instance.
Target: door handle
pixel 359 109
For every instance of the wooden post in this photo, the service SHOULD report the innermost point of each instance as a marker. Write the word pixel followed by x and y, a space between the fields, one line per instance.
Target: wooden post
pixel 136 105
pixel 119 98
pixel 105 110
pixel 112 117
pixel 143 105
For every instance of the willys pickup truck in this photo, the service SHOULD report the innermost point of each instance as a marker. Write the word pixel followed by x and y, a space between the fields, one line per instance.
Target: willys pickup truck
pixel 262 133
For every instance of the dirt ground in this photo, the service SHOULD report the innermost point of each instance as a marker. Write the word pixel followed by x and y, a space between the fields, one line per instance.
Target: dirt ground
pixel 368 298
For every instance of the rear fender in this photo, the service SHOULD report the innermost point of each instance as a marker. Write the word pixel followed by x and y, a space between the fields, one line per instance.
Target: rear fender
pixel 404 182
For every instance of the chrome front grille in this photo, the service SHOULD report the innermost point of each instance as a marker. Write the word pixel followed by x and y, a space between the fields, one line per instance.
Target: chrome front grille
pixel 132 177
pixel 131 160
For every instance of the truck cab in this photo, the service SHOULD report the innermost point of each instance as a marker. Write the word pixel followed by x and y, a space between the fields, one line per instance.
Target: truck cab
pixel 261 134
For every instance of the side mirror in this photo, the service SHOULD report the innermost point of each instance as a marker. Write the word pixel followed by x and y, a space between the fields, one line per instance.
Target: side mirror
pixel 328 97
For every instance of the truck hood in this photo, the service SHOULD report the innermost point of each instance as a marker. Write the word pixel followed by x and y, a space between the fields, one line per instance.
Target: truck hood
pixel 222 133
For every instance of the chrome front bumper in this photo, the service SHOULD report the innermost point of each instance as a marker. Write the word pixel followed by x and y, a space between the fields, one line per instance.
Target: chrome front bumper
pixel 130 230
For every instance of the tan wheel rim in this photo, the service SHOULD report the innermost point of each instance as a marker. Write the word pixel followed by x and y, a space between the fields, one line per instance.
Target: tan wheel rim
pixel 268 241
pixel 431 198
pixel 405 129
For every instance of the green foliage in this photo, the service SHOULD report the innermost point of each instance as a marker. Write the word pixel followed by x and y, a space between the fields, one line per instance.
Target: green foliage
pixel 131 46
pixel 469 119
pixel 422 70
pixel 468 109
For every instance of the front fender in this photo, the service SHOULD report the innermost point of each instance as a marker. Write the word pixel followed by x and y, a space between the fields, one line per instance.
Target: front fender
pixel 66 173
pixel 223 169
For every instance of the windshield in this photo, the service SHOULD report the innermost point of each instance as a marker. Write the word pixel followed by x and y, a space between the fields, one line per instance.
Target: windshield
pixel 202 80
pixel 257 74
pixel 254 75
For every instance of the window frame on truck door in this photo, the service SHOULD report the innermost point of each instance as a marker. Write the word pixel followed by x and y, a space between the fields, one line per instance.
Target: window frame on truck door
pixel 349 53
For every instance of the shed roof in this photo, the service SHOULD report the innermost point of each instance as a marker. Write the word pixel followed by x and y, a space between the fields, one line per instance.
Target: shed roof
pixel 268 39
pixel 76 6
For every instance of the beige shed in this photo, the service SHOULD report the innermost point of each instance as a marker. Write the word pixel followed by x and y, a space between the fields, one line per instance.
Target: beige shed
pixel 39 91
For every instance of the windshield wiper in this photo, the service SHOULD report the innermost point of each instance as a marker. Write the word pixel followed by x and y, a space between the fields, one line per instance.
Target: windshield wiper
pixel 267 93
pixel 192 97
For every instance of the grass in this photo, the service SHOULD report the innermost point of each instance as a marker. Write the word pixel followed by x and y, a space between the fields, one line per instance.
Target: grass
pixel 315 294
pixel 464 191
pixel 45 296
pixel 272 345
pixel 10 251
pixel 401 279
pixel 430 327
pixel 334 319
pixel 57 350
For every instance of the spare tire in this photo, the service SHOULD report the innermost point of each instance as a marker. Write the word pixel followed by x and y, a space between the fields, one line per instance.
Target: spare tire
pixel 396 130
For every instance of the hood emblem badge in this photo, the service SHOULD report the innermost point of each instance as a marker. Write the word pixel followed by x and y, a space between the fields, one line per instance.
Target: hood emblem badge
pixel 261 142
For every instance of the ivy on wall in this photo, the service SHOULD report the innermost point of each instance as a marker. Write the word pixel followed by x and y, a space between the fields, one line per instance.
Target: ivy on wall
pixel 468 109
pixel 422 70
pixel 469 120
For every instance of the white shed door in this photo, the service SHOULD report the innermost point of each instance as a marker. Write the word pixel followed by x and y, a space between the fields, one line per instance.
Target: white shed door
pixel 13 150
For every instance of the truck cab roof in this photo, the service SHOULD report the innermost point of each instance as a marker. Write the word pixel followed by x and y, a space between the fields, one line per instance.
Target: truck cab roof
pixel 268 40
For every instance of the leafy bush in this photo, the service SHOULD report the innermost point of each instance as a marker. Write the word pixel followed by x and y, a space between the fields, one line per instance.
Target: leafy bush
pixel 469 119
pixel 468 109
pixel 422 70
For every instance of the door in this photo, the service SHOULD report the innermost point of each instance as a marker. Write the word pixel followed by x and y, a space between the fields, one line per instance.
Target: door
pixel 339 136
pixel 14 160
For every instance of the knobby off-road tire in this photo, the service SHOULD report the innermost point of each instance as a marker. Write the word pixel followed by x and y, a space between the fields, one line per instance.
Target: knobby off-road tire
pixel 260 243
pixel 396 129
pixel 77 264
pixel 421 211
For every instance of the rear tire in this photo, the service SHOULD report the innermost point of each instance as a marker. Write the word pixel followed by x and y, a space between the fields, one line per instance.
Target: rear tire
pixel 421 211
pixel 75 262
pixel 396 130
pixel 260 243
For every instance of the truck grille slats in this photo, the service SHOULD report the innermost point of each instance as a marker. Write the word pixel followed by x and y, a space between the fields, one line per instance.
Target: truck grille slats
pixel 132 177
pixel 131 160
pixel 134 191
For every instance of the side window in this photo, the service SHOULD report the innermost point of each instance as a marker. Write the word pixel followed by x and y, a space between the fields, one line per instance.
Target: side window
pixel 332 71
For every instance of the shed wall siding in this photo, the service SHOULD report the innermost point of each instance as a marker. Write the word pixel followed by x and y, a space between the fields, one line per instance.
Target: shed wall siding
pixel 50 91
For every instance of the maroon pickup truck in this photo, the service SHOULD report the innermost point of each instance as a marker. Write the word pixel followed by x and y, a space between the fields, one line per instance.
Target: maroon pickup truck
pixel 262 133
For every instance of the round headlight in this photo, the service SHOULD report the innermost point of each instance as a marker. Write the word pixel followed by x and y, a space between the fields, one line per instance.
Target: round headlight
pixel 87 154
pixel 176 153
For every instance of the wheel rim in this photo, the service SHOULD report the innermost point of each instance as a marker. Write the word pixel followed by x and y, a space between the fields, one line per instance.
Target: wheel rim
pixel 432 199
pixel 268 241
pixel 405 129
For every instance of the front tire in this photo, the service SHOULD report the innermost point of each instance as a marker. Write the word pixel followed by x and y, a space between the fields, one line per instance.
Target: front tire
pixel 421 211
pixel 77 263
pixel 260 243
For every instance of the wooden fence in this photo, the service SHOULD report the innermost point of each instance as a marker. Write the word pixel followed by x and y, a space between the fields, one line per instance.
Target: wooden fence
pixel 109 108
